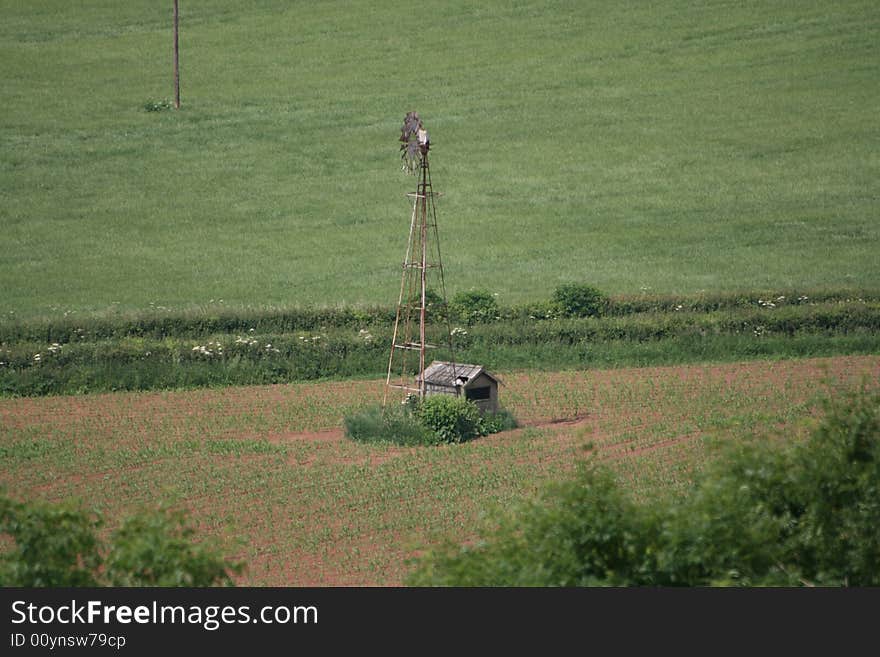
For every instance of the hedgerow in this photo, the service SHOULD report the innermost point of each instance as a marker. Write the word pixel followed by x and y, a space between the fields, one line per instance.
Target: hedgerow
pixel 86 363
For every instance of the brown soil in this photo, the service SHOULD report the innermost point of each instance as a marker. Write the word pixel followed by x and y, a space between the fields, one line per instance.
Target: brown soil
pixel 623 416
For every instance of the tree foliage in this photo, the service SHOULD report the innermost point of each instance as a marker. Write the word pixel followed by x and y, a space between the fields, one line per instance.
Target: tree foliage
pixel 54 545
pixel 763 515
pixel 58 545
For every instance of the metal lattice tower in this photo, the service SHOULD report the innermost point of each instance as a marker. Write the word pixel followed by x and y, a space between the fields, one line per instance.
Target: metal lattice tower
pixel 421 266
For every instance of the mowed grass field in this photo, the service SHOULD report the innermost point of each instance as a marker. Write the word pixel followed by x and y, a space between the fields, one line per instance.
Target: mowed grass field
pixel 671 148
pixel 267 471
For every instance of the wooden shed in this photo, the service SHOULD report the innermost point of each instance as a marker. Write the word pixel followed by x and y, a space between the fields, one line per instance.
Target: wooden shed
pixel 477 385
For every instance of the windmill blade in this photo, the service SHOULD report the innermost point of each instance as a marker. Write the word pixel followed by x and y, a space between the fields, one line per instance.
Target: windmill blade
pixel 411 151
pixel 411 124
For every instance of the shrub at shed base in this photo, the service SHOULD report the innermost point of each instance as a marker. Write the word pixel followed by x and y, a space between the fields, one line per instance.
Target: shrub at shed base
pixel 435 420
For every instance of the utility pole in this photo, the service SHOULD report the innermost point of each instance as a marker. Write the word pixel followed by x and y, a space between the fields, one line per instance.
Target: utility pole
pixel 176 57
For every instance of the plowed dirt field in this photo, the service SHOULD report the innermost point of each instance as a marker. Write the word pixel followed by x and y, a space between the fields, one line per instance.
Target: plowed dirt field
pixel 268 472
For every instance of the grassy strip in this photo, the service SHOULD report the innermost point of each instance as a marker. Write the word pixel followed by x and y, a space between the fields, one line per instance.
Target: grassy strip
pixel 160 323
pixel 143 363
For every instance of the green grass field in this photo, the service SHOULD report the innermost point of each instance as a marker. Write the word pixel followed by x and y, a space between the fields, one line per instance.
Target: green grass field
pixel 669 148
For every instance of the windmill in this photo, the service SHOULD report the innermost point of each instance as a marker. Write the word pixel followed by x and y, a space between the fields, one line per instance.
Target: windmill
pixel 422 264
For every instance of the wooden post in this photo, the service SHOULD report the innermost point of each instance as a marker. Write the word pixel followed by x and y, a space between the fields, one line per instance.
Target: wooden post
pixel 176 57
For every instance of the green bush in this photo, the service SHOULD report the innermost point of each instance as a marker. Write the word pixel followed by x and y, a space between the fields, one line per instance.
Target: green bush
pixel 537 311
pixel 54 545
pixel 765 515
pixel 807 514
pixel 502 420
pixel 452 419
pixel 157 549
pixel 435 420
pixel 578 300
pixel 396 424
pixel 435 304
pixel 839 492
pixel 475 306
pixel 585 532
pixel 58 545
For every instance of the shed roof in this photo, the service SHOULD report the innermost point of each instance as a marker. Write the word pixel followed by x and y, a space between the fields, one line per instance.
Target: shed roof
pixel 441 373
